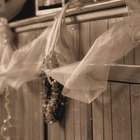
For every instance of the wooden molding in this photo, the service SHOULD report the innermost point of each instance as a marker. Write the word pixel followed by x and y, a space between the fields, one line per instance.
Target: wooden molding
pixel 125 73
pixel 99 11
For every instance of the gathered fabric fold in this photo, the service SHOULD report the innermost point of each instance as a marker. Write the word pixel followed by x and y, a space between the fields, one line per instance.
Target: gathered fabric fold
pixel 6 49
pixel 25 62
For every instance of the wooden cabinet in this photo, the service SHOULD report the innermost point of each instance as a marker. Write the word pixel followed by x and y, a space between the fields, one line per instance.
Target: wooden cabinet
pixel 114 115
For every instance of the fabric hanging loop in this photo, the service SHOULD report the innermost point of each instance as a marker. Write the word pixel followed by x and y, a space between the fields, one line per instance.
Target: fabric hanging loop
pixel 57 47
pixel 63 3
pixel 29 56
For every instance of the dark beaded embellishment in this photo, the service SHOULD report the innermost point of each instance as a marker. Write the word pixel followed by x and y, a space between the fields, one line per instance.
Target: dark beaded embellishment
pixel 52 99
